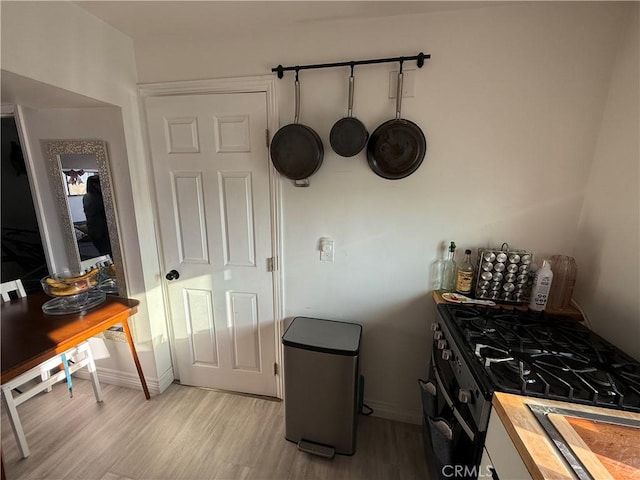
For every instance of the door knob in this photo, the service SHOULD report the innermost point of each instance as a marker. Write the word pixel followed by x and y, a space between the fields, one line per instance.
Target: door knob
pixel 172 275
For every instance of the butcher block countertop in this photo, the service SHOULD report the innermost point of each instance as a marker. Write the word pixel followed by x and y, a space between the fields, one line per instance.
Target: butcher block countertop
pixel 570 311
pixel 607 450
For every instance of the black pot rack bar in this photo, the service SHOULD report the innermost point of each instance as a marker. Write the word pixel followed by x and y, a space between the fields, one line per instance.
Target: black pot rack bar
pixel 418 58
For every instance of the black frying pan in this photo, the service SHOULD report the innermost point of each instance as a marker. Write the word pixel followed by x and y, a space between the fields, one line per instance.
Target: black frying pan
pixel 296 150
pixel 348 136
pixel 397 147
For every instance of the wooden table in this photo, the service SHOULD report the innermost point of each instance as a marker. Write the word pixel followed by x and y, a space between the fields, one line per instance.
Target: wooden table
pixel 29 336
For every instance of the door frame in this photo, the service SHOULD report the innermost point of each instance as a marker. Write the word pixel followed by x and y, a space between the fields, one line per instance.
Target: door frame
pixel 250 84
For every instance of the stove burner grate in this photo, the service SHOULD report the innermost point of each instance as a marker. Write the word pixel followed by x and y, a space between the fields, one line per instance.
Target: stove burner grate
pixel 544 373
pixel 546 356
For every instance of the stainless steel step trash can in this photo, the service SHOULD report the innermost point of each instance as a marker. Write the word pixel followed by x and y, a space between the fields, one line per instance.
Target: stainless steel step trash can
pixel 321 369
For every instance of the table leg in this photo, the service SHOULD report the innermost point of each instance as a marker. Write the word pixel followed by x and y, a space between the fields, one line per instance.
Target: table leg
pixel 132 347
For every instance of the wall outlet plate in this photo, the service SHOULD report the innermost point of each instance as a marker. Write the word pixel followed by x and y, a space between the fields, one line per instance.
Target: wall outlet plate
pixel 326 249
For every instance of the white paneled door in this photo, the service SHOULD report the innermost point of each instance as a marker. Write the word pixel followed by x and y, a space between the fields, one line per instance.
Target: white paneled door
pixel 211 167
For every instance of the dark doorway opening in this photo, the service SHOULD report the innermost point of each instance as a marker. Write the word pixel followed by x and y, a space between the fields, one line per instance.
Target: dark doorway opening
pixel 22 251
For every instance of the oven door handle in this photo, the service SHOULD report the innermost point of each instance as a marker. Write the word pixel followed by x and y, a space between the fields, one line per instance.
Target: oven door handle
pixel 447 398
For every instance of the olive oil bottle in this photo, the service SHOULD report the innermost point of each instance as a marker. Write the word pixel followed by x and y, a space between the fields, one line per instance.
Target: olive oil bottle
pixel 464 274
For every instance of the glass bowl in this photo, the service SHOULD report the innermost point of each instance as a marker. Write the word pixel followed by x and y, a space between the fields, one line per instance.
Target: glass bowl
pixel 107 281
pixel 68 284
pixel 72 292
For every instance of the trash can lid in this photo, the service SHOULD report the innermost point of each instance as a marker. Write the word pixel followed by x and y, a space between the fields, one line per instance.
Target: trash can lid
pixel 327 336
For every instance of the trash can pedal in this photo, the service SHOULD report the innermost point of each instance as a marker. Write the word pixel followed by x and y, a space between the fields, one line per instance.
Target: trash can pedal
pixel 316 449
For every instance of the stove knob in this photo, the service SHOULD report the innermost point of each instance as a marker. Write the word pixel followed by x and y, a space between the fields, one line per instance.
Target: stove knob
pixel 464 396
pixel 446 354
pixel 435 326
pixel 442 344
pixel 437 335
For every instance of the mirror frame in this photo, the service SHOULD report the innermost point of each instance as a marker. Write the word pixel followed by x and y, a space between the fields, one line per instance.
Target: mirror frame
pixel 53 150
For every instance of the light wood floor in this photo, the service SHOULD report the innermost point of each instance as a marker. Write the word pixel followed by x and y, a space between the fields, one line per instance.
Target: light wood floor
pixel 190 433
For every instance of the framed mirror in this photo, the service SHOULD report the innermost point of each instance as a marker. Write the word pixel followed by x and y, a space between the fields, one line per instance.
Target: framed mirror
pixel 81 182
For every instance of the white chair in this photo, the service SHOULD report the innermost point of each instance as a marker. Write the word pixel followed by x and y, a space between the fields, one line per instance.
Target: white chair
pixel 14 286
pixel 80 355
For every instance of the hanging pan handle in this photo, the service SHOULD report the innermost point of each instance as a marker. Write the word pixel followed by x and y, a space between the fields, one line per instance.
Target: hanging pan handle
pixel 399 93
pixel 351 83
pixel 297 99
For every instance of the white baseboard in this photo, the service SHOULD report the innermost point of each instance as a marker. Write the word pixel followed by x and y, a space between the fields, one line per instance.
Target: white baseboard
pixel 130 380
pixel 392 412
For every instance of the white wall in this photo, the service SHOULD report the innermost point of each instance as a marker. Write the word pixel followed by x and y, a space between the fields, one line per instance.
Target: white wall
pixel 60 45
pixel 511 103
pixel 608 243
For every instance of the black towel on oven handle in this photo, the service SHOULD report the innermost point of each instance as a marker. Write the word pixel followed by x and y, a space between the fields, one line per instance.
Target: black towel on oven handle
pixel 428 393
pixel 441 441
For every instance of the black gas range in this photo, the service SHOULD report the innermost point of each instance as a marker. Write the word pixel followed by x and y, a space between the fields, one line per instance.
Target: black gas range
pixel 543 356
pixel 479 350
